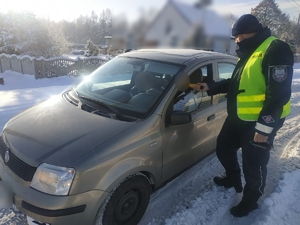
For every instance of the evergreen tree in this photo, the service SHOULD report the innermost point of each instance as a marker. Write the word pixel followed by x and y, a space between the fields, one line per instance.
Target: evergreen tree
pixel 91 49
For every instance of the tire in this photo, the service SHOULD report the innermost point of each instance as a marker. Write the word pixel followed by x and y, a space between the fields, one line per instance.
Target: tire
pixel 128 202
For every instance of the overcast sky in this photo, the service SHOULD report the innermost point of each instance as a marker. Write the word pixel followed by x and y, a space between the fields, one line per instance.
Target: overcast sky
pixel 72 9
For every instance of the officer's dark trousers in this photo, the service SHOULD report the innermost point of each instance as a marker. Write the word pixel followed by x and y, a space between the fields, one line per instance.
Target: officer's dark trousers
pixel 238 134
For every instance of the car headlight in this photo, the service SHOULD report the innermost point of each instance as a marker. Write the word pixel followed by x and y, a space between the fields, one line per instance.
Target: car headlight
pixel 54 180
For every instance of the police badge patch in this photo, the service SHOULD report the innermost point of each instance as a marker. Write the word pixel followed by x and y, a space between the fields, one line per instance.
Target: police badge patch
pixel 279 73
pixel 268 119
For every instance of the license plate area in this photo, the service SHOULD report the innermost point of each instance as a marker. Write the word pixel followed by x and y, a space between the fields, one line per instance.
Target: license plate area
pixel 6 196
pixel 32 221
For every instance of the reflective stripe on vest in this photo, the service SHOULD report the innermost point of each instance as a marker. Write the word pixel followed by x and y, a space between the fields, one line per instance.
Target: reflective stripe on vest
pixel 252 86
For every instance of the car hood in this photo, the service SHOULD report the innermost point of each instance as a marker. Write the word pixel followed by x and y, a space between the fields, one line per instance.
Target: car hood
pixel 58 133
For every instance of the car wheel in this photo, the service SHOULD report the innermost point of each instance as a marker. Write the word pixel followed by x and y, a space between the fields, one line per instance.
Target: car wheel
pixel 127 203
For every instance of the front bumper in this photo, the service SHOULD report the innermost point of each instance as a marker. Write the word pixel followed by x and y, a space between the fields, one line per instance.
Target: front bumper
pixel 55 210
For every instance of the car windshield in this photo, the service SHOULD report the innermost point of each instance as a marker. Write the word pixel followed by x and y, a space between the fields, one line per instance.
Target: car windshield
pixel 132 85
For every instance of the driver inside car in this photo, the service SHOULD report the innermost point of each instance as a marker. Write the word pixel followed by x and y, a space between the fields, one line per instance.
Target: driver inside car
pixel 145 91
pixel 189 94
pixel 144 81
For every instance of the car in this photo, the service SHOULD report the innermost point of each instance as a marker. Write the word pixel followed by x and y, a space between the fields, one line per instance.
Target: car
pixel 78 52
pixel 96 152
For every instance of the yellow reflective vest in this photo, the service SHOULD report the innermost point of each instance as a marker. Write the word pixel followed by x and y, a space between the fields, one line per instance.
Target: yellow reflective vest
pixel 252 86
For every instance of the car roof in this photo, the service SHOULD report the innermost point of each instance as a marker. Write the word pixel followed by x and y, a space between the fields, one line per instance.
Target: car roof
pixel 178 56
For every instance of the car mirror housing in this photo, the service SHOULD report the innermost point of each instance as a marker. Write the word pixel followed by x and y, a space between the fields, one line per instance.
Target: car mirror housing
pixel 180 117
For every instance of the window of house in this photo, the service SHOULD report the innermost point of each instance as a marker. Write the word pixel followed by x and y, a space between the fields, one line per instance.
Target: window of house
pixel 168 28
pixel 174 41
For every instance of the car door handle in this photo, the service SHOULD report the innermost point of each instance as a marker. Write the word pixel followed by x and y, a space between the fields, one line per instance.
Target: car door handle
pixel 211 117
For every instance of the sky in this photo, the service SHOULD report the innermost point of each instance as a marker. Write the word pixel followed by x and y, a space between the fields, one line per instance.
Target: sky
pixel 192 198
pixel 71 9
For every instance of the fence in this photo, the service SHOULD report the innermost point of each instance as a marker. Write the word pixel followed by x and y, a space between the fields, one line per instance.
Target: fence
pixel 53 67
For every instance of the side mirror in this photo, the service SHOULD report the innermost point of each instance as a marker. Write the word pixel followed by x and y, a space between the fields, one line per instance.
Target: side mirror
pixel 180 117
pixel 182 81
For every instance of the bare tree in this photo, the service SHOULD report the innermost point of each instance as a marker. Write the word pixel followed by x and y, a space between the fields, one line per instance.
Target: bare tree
pixel 233 18
pixel 269 14
pixel 22 33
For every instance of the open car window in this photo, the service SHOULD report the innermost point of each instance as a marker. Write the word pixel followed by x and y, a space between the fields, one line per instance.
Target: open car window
pixel 132 85
pixel 193 100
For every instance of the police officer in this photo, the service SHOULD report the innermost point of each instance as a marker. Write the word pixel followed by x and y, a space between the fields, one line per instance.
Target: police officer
pixel 258 100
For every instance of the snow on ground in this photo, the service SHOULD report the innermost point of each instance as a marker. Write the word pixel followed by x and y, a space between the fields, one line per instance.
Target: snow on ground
pixel 192 198
pixel 20 91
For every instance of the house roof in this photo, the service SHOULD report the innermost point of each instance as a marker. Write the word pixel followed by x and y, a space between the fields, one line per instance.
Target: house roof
pixel 212 22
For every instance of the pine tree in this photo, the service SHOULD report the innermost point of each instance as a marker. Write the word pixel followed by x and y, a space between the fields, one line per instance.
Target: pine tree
pixel 91 49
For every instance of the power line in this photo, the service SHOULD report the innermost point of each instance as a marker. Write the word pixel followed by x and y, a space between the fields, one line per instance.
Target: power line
pixel 292 12
pixel 297 6
pixel 296 3
pixel 294 7
pixel 295 11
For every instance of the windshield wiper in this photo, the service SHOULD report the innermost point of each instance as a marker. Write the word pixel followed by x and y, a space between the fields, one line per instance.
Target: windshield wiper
pixel 110 108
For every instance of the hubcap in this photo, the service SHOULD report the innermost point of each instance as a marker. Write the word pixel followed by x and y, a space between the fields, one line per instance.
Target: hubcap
pixel 127 205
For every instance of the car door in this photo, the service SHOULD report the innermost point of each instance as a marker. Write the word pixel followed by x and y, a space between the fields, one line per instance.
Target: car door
pixel 185 144
pixel 224 69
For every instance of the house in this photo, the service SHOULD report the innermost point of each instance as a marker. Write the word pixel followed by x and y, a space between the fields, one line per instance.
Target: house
pixel 105 47
pixel 232 46
pixel 184 25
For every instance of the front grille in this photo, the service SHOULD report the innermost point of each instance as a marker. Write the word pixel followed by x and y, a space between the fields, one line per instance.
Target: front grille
pixel 21 169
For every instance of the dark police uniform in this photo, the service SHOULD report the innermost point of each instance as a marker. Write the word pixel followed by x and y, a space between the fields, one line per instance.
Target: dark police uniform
pixel 238 132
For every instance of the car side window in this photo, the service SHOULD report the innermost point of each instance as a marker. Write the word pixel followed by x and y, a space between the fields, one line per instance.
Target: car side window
pixel 225 71
pixel 193 100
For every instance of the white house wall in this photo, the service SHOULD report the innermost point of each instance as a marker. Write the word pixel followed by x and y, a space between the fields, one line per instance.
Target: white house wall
pixel 232 47
pixel 180 28
pixel 184 21
pixel 219 45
